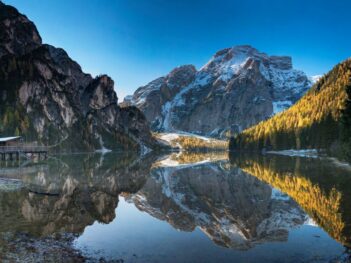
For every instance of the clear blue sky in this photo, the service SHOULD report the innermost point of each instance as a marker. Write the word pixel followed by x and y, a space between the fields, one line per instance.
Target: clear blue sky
pixel 135 41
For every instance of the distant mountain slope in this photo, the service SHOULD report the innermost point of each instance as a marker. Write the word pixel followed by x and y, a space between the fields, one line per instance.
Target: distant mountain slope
pixel 236 89
pixel 192 143
pixel 46 97
pixel 321 119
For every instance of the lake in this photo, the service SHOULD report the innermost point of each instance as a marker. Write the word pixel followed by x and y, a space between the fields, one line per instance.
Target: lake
pixel 175 208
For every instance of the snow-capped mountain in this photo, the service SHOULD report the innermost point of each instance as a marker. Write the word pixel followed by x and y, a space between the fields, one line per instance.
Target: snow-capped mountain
pixel 237 88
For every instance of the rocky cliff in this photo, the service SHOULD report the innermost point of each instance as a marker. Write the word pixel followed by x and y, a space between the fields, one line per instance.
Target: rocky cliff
pixel 46 97
pixel 236 89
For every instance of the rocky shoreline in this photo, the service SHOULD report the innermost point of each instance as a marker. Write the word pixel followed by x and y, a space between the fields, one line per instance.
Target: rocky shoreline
pixel 24 248
pixel 57 248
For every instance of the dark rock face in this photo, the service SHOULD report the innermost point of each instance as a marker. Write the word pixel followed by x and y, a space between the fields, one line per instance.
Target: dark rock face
pixel 152 97
pixel 18 35
pixel 237 88
pixel 46 97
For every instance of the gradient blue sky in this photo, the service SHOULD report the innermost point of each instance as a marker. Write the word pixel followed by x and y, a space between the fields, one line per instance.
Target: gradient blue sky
pixel 136 41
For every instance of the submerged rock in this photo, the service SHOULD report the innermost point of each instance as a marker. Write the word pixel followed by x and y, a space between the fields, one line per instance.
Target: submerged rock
pixel 10 184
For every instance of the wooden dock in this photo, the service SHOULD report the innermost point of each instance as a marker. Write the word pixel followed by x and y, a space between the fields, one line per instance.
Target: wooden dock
pixel 15 152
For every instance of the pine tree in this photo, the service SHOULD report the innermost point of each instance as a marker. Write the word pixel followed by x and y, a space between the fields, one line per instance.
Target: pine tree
pixel 346 126
pixel 232 144
pixel 346 117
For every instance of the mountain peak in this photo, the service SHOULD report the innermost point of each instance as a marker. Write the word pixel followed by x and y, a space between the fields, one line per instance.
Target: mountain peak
pixel 18 35
pixel 237 56
pixel 236 49
pixel 237 88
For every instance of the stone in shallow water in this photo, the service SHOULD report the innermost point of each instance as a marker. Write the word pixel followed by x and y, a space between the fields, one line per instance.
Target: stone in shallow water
pixel 10 184
pixel 21 247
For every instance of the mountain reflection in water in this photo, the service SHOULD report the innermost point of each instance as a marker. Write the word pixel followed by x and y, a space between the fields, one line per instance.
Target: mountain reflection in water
pixel 237 203
pixel 70 193
pixel 233 208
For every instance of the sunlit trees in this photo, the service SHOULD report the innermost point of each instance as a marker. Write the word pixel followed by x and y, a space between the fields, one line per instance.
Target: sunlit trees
pixel 321 199
pixel 346 124
pixel 320 119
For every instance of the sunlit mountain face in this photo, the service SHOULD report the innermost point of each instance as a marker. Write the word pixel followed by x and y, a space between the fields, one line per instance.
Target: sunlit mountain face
pixel 233 208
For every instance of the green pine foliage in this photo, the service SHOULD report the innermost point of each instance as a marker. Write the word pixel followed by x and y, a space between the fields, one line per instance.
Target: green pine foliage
pixel 319 120
pixel 346 126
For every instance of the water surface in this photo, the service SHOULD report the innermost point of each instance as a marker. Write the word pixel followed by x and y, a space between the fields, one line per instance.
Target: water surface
pixel 182 208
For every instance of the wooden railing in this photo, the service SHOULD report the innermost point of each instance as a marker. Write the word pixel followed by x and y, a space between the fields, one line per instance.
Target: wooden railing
pixel 23 148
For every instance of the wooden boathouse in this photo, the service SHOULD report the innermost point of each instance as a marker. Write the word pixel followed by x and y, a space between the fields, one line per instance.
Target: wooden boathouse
pixel 12 148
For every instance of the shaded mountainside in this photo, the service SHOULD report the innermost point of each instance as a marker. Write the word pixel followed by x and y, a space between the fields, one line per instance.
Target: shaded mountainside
pixel 236 89
pixel 46 97
pixel 321 119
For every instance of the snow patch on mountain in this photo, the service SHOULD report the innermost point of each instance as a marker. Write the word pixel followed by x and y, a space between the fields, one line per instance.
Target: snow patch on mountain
pixel 143 93
pixel 284 79
pixel 315 78
pixel 279 106
pixel 178 100
pixel 278 195
pixel 226 69
pixel 166 110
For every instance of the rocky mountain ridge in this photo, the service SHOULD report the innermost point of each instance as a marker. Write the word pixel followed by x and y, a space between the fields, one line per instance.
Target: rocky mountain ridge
pixel 237 88
pixel 47 98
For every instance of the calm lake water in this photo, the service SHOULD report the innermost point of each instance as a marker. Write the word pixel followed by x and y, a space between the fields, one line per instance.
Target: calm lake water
pixel 182 208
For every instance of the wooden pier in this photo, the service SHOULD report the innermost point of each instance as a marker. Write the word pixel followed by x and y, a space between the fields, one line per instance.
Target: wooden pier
pixel 13 153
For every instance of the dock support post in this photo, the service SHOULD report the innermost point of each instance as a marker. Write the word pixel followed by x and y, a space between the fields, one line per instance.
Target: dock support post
pixel 15 154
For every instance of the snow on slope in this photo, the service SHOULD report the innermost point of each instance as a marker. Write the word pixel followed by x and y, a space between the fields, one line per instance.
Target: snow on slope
pixel 279 106
pixel 175 140
pixel 178 100
pixel 143 93
pixel 221 76
pixel 315 78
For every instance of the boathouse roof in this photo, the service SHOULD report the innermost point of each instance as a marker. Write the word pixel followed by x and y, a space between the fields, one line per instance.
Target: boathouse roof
pixel 7 139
